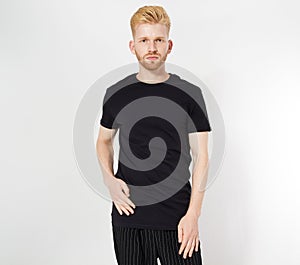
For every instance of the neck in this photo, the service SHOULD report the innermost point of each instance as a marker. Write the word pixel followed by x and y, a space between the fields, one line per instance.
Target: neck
pixel 152 76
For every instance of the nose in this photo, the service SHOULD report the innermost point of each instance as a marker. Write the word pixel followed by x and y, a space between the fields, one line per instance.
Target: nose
pixel 152 46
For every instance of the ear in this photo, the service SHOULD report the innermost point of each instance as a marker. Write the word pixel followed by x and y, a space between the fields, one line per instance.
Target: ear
pixel 131 46
pixel 170 46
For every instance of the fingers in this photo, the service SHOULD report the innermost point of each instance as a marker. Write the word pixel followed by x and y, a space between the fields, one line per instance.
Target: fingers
pixel 125 191
pixel 190 252
pixel 120 193
pixel 118 208
pixel 128 202
pixel 188 246
pixel 182 246
pixel 125 206
pixel 125 210
pixel 197 245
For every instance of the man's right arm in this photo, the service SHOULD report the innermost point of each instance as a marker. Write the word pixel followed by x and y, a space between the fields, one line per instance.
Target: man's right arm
pixel 105 152
pixel 118 189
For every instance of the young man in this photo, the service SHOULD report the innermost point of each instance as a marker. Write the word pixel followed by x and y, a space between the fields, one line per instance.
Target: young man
pixel 164 225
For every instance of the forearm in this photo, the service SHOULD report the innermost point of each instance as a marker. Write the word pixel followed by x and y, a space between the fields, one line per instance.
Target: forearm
pixel 199 180
pixel 105 154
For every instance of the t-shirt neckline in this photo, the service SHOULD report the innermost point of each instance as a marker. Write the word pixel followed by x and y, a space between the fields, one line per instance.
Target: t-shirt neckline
pixel 163 82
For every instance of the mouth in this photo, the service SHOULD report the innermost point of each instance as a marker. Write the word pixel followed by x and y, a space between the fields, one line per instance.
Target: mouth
pixel 152 58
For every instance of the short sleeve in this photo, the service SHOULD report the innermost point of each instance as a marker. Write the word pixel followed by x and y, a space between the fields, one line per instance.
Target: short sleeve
pixel 107 119
pixel 198 120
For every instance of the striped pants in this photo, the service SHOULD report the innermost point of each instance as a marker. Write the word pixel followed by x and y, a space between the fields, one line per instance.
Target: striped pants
pixel 135 246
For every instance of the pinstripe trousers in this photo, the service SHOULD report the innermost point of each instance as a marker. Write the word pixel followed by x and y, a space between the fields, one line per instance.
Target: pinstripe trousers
pixel 136 246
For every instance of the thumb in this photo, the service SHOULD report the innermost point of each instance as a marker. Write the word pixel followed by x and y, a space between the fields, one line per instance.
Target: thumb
pixel 125 188
pixel 179 234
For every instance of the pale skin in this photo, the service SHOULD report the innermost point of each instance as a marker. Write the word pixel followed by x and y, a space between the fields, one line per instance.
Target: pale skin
pixel 152 40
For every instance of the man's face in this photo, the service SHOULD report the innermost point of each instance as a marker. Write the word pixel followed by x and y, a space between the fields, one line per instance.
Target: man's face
pixel 151 45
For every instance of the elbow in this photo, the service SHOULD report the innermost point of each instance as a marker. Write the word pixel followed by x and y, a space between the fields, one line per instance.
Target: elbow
pixel 103 144
pixel 200 156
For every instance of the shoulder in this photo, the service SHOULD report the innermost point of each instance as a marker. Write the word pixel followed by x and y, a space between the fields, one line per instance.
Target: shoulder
pixel 117 86
pixel 188 87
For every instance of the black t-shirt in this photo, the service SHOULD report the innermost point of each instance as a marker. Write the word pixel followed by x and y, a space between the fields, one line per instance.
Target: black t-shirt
pixel 154 121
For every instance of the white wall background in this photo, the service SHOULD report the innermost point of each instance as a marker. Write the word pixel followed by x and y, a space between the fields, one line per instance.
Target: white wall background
pixel 246 52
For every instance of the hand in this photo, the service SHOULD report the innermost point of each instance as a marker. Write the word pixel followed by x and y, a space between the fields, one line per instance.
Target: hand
pixel 188 234
pixel 119 193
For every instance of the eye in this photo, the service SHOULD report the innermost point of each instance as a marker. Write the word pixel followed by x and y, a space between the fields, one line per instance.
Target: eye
pixel 160 40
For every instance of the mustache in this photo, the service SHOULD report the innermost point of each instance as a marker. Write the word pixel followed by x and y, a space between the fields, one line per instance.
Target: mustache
pixel 154 54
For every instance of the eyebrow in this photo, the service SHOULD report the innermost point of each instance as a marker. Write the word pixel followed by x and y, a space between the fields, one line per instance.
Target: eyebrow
pixel 147 38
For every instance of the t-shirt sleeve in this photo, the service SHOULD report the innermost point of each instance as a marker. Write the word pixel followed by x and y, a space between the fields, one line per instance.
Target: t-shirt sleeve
pixel 107 119
pixel 198 121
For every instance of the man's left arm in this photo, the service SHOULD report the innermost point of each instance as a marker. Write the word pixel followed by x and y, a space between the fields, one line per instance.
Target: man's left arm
pixel 188 226
pixel 198 143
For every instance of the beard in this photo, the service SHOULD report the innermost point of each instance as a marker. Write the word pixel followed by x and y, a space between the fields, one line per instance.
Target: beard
pixel 151 65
